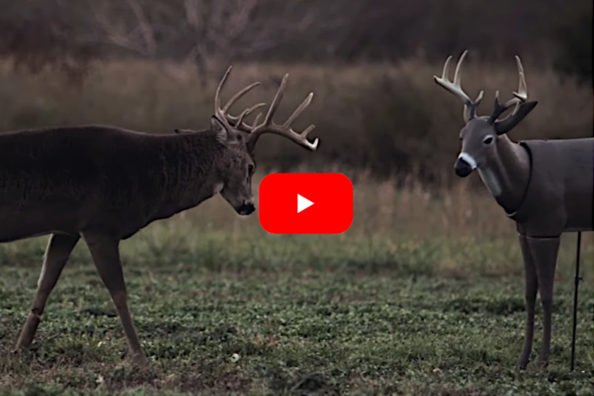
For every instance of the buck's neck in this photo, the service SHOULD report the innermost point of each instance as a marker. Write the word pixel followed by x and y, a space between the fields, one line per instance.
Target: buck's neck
pixel 189 168
pixel 507 176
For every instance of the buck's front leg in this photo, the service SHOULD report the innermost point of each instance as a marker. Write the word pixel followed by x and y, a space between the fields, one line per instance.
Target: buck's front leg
pixel 530 296
pixel 544 251
pixel 105 252
pixel 56 255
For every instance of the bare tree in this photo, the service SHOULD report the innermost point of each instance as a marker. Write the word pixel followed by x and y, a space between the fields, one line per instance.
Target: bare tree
pixel 208 33
pixel 138 36
pixel 216 27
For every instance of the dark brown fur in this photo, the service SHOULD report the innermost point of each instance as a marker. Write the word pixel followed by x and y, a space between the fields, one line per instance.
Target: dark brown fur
pixel 68 180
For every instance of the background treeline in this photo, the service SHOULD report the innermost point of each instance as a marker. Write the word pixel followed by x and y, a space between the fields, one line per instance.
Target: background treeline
pixel 152 65
pixel 552 31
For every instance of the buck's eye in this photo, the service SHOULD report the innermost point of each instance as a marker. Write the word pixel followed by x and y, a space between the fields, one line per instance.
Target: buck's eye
pixel 251 169
pixel 488 140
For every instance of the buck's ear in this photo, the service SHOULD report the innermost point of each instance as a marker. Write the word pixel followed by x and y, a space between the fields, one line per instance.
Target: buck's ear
pixel 220 129
pixel 224 134
pixel 506 125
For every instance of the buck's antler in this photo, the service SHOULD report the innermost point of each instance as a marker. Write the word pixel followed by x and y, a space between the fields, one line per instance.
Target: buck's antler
pixel 520 96
pixel 455 87
pixel 257 129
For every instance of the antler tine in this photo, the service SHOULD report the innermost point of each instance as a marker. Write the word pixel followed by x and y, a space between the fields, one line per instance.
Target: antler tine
pixel 276 100
pixel 519 96
pixel 299 109
pixel 446 66
pixel 221 112
pixel 258 128
pixel 522 93
pixel 307 131
pixel 238 95
pixel 244 114
pixel 217 98
pixel 457 74
pixel 256 120
pixel 299 138
pixel 268 126
pixel 455 86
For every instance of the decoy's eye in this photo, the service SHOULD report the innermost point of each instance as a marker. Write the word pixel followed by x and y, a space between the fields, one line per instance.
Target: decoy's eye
pixel 488 140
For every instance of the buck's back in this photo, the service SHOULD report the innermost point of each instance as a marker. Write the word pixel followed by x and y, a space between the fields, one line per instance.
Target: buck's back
pixel 66 179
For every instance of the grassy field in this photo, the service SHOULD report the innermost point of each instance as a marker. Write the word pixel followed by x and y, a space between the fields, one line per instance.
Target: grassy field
pixel 423 295
pixel 396 305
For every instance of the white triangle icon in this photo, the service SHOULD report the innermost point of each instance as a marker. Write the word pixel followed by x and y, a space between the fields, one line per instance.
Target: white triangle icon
pixel 303 203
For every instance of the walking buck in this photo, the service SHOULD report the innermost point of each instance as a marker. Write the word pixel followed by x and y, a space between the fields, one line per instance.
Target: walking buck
pixel 545 186
pixel 105 183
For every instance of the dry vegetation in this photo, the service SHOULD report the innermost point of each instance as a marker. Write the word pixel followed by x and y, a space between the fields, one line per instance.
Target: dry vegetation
pixel 391 119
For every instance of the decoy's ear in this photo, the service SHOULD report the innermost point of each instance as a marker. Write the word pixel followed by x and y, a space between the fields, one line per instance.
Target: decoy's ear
pixel 506 125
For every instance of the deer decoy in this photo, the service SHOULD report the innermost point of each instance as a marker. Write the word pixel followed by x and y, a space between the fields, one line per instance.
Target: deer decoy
pixel 104 184
pixel 545 186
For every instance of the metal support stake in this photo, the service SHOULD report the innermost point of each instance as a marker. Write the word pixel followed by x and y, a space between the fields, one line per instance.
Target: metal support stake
pixel 575 299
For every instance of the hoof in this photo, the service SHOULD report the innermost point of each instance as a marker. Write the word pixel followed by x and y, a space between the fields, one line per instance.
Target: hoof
pixel 523 362
pixel 19 350
pixel 139 366
pixel 139 360
pixel 543 364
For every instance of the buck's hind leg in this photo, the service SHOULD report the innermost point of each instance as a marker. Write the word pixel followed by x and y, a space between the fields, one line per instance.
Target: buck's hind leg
pixel 106 255
pixel 56 255
pixel 544 251
pixel 530 296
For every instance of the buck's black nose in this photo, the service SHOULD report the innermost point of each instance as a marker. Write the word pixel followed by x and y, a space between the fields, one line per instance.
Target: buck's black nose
pixel 462 168
pixel 246 208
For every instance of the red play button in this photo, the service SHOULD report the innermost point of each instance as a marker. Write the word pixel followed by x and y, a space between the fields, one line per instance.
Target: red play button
pixel 306 203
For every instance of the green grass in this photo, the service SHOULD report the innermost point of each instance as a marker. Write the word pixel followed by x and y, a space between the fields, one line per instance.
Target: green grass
pixel 223 312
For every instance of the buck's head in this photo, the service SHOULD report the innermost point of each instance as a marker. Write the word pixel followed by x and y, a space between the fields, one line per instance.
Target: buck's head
pixel 234 167
pixel 480 135
pixel 238 137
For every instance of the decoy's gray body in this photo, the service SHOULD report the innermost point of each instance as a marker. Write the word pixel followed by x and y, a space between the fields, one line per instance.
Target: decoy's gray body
pixel 545 186
pixel 558 194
